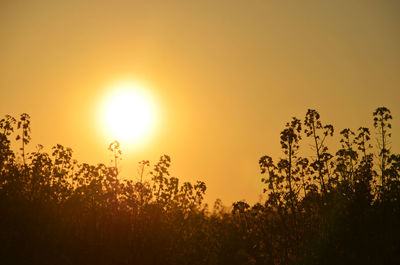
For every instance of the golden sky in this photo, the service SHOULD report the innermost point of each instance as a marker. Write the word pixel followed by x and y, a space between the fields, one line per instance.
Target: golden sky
pixel 225 76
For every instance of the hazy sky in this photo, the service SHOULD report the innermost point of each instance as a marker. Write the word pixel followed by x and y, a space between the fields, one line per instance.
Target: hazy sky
pixel 226 76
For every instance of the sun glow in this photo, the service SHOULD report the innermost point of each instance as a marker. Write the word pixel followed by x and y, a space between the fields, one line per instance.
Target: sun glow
pixel 128 113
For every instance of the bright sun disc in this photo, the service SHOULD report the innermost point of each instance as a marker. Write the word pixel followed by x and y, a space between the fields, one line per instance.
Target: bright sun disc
pixel 128 113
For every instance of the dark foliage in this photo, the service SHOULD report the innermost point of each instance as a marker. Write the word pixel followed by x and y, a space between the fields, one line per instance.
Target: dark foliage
pixel 329 208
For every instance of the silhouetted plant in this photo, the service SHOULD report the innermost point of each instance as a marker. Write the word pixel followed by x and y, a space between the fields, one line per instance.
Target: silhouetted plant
pixel 318 210
pixel 382 124
pixel 114 147
pixel 347 158
pixel 315 129
pixel 290 138
pixel 25 137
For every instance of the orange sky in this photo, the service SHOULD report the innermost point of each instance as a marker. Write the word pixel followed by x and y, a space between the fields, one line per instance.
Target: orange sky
pixel 225 75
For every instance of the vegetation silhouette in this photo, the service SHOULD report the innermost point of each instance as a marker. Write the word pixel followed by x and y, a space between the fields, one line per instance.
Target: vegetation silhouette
pixel 328 208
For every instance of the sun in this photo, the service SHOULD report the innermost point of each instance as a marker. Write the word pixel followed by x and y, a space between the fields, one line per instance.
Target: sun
pixel 128 113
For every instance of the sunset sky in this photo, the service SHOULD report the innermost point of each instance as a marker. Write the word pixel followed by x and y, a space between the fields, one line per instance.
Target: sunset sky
pixel 223 77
